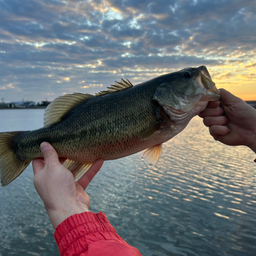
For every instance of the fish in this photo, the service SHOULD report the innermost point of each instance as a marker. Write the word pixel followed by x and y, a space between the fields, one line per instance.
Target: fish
pixel 121 121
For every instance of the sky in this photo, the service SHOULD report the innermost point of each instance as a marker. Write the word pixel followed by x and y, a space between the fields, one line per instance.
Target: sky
pixel 49 48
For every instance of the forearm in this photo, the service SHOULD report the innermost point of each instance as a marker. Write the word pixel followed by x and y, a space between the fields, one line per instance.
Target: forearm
pixel 89 234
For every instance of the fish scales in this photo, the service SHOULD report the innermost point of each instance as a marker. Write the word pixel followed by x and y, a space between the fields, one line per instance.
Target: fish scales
pixel 110 125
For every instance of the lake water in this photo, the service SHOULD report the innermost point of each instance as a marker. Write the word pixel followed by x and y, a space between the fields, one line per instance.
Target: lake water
pixel 199 200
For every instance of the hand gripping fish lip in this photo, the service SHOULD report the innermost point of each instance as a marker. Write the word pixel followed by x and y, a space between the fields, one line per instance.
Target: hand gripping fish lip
pixel 204 80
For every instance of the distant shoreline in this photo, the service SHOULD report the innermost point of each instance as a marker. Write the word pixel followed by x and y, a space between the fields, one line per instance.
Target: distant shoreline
pixel 22 108
pixel 251 103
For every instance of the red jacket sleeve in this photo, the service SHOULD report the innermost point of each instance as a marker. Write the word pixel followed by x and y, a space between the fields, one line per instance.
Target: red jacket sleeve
pixel 91 234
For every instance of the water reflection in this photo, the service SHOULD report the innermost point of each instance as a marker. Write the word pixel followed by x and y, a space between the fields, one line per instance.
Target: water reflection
pixel 199 200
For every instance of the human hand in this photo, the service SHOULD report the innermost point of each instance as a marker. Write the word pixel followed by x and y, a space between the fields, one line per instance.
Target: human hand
pixel 231 121
pixel 55 184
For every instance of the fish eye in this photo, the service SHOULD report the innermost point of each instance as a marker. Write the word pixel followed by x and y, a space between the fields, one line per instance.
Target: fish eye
pixel 187 74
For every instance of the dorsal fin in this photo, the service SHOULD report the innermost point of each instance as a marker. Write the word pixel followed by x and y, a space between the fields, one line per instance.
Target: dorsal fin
pixel 118 86
pixel 61 106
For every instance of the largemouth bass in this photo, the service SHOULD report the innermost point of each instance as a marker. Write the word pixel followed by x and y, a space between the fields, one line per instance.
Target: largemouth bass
pixel 121 121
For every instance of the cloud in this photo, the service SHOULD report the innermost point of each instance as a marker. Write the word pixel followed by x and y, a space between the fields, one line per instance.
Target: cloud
pixel 250 65
pixel 98 42
pixel 171 62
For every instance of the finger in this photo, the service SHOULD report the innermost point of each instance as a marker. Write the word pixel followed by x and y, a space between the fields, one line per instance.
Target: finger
pixel 212 112
pixel 38 165
pixel 50 155
pixel 213 104
pixel 218 130
pixel 89 175
pixel 217 120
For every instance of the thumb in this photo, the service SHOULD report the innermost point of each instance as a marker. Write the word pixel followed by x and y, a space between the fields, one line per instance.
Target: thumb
pixel 228 98
pixel 49 153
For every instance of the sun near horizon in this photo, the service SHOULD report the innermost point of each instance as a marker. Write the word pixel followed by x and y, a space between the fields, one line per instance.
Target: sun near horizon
pixel 238 78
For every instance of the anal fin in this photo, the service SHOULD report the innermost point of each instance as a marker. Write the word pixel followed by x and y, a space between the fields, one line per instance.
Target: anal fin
pixel 152 155
pixel 77 168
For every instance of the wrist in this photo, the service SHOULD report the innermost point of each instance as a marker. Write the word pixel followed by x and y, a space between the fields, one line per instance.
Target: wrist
pixel 252 144
pixel 253 147
pixel 57 216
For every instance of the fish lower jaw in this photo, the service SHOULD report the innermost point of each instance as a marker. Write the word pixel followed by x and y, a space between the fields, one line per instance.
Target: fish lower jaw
pixel 210 96
pixel 178 118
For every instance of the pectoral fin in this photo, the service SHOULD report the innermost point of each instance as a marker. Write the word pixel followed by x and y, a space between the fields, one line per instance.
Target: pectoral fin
pixel 152 155
pixel 78 169
pixel 152 129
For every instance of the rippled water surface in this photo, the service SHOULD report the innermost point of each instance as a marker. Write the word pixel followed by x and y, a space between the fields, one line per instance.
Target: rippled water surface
pixel 199 200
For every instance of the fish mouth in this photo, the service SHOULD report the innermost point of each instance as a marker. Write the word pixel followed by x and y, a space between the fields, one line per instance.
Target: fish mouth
pixel 204 80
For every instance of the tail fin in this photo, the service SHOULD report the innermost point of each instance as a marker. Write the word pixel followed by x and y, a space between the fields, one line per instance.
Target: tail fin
pixel 10 165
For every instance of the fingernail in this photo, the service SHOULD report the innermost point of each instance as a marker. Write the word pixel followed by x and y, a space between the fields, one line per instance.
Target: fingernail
pixel 44 146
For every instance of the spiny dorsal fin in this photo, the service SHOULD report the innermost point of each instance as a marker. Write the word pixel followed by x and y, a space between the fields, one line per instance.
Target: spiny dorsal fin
pixel 118 86
pixel 61 106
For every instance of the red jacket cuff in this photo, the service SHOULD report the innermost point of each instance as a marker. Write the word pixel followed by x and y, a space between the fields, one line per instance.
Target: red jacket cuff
pixel 79 230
